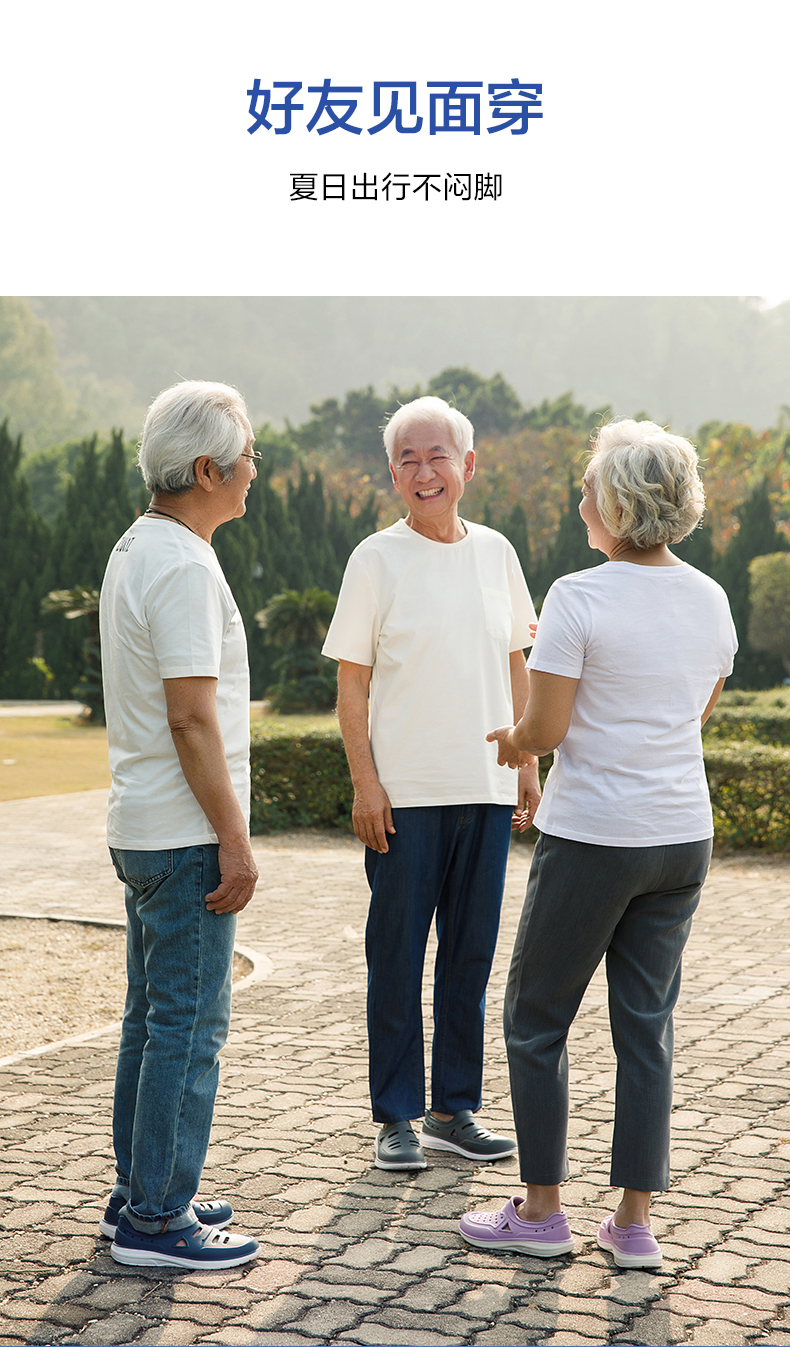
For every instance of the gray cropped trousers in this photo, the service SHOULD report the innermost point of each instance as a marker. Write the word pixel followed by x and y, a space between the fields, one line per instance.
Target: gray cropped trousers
pixel 634 906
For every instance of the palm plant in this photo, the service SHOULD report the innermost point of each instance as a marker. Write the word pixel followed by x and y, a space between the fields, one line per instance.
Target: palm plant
pixel 296 622
pixel 82 602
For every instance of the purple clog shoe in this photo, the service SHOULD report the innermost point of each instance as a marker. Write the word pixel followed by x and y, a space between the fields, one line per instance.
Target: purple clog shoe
pixel 503 1230
pixel 632 1246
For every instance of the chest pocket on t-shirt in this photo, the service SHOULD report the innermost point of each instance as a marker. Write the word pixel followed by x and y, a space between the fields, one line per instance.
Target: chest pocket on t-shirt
pixel 499 613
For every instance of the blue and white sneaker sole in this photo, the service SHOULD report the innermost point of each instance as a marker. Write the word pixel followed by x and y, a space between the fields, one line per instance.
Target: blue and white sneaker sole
pixel 142 1258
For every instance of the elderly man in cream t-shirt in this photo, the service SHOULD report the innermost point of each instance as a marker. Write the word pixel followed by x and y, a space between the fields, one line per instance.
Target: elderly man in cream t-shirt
pixel 429 633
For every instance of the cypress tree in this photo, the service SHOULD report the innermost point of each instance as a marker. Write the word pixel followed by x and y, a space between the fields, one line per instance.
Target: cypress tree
pixel 570 550
pixel 756 536
pixel 96 511
pixel 294 542
pixel 697 550
pixel 515 530
pixel 23 547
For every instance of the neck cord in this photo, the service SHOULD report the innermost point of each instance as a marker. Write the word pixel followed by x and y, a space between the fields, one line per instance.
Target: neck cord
pixel 154 509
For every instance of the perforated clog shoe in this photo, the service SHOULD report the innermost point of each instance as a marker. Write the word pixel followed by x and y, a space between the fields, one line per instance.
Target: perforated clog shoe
pixel 503 1229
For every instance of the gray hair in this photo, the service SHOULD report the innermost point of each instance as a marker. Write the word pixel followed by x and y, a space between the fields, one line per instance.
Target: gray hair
pixel 425 412
pixel 186 421
pixel 646 483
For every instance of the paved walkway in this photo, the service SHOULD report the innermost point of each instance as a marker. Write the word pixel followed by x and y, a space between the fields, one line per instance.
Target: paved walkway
pixel 375 1258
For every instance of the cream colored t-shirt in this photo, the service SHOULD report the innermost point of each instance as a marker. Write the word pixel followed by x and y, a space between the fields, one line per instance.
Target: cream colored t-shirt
pixel 648 645
pixel 437 623
pixel 167 612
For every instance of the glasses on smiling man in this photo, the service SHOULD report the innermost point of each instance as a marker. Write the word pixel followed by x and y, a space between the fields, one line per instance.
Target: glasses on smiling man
pixel 254 455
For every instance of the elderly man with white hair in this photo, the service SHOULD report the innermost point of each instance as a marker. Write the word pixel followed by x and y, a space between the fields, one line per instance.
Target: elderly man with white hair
pixel 431 622
pixel 176 688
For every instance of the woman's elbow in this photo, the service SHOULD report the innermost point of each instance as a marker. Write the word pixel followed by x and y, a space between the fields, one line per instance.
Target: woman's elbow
pixel 539 738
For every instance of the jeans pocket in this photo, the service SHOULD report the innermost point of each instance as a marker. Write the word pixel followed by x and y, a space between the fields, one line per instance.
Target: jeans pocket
pixel 141 869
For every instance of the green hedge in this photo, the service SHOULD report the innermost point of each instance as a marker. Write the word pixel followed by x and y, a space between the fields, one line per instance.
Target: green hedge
pixel 299 781
pixel 302 781
pixel 750 793
pixel 763 724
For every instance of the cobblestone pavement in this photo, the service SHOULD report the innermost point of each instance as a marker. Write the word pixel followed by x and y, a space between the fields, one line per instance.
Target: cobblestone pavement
pixel 351 1255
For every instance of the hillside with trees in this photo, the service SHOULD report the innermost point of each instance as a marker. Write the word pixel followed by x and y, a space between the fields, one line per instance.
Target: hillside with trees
pixel 688 359
pixel 322 487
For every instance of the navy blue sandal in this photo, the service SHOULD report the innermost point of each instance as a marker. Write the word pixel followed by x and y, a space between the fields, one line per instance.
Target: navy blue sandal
pixel 197 1246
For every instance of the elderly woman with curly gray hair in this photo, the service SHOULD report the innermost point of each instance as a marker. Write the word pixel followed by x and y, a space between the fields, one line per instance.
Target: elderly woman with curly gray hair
pixel 629 661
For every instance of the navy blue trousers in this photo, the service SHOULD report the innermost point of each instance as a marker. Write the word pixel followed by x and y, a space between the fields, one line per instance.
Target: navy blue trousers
pixel 447 860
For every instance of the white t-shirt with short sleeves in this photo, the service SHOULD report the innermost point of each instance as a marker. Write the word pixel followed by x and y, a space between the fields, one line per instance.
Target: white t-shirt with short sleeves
pixel 648 645
pixel 167 612
pixel 437 622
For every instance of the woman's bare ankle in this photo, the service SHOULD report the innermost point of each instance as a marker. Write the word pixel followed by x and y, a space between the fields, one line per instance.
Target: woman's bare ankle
pixel 634 1209
pixel 542 1201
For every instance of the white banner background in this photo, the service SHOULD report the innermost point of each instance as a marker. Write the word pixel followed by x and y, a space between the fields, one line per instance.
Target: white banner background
pixel 660 165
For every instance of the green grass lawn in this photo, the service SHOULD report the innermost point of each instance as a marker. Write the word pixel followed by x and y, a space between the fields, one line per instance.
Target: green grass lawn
pixel 769 699
pixel 319 722
pixel 50 755
pixel 54 755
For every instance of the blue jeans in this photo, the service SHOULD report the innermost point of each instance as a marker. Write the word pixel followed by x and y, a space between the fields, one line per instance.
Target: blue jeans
pixel 634 906
pixel 179 959
pixel 449 860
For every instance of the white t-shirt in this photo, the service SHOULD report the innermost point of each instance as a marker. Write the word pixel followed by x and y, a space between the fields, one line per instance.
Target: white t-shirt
pixel 167 612
pixel 437 622
pixel 648 645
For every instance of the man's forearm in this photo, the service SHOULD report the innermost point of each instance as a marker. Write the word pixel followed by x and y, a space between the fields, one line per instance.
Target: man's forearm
pixel 519 687
pixel 519 684
pixel 193 722
pixel 371 813
pixel 201 753
pixel 352 715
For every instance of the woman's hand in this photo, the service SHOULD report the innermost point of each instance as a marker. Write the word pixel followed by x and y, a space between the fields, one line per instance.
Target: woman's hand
pixel 528 797
pixel 507 753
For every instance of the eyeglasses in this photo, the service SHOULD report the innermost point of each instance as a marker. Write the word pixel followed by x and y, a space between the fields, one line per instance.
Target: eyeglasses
pixel 254 455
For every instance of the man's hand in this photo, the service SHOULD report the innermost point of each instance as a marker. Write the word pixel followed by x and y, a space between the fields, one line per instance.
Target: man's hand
pixel 371 813
pixel 528 797
pixel 507 753
pixel 239 877
pixel 371 816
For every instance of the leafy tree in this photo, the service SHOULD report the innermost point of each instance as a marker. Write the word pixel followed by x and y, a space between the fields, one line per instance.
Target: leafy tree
pixel 492 405
pixel 23 548
pixel 296 623
pixel 563 411
pixel 352 431
pixel 279 447
pixel 769 598
pixel 33 397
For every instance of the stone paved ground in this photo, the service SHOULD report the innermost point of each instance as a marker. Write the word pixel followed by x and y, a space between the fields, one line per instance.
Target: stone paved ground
pixel 375 1259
